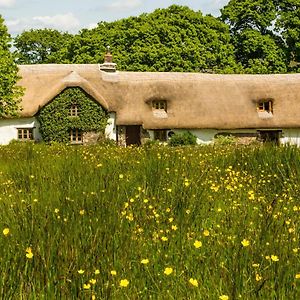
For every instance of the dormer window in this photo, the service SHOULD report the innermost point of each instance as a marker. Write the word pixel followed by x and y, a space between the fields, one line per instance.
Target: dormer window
pixel 265 106
pixel 74 110
pixel 159 104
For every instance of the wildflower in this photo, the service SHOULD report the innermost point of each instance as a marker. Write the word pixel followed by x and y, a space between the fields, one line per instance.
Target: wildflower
pixel 113 272
pixel 87 286
pixel 93 281
pixel 197 244
pixel 164 238
pixel 124 283
pixel 81 212
pixel 255 265
pixel 6 231
pixel 193 282
pixel 97 272
pixel 29 253
pixel 258 277
pixel 121 176
pixel 169 190
pixel 93 297
pixel 174 227
pixel 274 258
pixel 245 243
pixel 297 276
pixel 144 261
pixel 80 271
pixel 56 210
pixel 224 297
pixel 206 232
pixel 168 271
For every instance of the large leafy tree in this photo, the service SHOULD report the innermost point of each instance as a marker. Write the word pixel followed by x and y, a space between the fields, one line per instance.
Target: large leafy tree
pixel 9 92
pixel 265 22
pixel 172 39
pixel 41 46
pixel 288 24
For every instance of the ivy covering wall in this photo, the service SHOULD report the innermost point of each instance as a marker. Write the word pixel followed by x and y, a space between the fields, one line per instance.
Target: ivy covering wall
pixel 56 121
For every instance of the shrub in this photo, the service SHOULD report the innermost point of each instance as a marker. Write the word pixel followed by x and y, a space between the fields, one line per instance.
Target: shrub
pixel 183 139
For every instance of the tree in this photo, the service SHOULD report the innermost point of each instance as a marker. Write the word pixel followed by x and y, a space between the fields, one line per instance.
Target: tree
pixel 276 19
pixel 41 46
pixel 9 93
pixel 288 24
pixel 172 39
pixel 257 46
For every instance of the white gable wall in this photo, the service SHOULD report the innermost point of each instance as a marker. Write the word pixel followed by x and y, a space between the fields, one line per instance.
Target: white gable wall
pixel 9 129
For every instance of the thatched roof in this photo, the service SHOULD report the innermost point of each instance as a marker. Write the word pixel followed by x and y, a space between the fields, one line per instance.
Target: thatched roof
pixel 193 100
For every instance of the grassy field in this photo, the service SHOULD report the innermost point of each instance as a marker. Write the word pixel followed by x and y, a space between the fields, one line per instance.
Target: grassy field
pixel 149 223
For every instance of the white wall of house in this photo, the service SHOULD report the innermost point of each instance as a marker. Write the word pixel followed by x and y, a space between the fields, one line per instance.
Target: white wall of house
pixel 290 136
pixel 110 130
pixel 9 129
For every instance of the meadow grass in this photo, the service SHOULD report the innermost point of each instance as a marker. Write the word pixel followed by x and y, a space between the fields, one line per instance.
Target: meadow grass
pixel 149 223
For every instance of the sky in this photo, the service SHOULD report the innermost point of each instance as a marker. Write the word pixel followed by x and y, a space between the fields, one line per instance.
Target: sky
pixel 73 15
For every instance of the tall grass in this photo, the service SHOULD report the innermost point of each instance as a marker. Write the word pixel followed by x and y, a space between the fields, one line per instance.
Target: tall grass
pixel 226 217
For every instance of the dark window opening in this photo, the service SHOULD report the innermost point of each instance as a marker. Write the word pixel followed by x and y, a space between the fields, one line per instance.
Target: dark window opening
pixel 265 106
pixel 25 134
pixel 74 110
pixel 160 135
pixel 159 104
pixel 76 136
pixel 269 136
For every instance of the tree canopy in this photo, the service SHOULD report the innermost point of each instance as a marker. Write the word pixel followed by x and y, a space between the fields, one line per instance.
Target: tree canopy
pixel 9 92
pixel 251 36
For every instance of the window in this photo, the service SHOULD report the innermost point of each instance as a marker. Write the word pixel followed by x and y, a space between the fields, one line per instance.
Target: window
pixel 74 110
pixel 76 136
pixel 159 104
pixel 265 106
pixel 160 135
pixel 25 134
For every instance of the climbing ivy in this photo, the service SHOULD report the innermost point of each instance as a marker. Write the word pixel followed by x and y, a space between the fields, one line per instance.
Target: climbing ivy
pixel 56 122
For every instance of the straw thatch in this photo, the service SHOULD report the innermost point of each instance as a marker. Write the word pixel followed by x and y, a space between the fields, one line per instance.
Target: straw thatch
pixel 193 100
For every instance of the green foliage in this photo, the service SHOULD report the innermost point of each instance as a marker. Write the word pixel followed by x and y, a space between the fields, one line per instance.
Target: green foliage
pixel 224 140
pixel 9 93
pixel 56 122
pixel 40 46
pixel 266 34
pixel 183 139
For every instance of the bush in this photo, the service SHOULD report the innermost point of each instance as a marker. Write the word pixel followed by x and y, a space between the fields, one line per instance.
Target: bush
pixel 183 139
pixel 223 140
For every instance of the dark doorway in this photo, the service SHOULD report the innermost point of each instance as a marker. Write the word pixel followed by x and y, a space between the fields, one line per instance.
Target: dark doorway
pixel 133 135
pixel 269 136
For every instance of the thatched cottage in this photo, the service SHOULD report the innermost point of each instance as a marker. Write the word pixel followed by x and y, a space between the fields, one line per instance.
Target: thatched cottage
pixel 154 105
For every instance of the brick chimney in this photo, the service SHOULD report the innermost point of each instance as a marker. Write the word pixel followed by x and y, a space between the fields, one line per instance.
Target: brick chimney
pixel 108 65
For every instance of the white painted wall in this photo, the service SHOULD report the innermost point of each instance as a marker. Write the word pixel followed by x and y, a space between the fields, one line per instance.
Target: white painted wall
pixel 110 130
pixel 290 136
pixel 9 129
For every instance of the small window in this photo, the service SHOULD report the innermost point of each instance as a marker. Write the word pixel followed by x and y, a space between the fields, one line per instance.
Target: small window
pixel 160 135
pixel 74 110
pixel 25 134
pixel 265 106
pixel 76 136
pixel 159 104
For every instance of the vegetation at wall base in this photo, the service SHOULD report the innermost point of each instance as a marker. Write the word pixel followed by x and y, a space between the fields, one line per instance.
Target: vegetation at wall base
pixel 185 138
pixel 133 223
pixel 56 122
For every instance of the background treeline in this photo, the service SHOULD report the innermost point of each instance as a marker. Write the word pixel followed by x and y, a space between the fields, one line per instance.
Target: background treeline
pixel 250 36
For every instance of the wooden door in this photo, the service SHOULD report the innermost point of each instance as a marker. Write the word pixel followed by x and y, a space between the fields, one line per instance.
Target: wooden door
pixel 133 135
